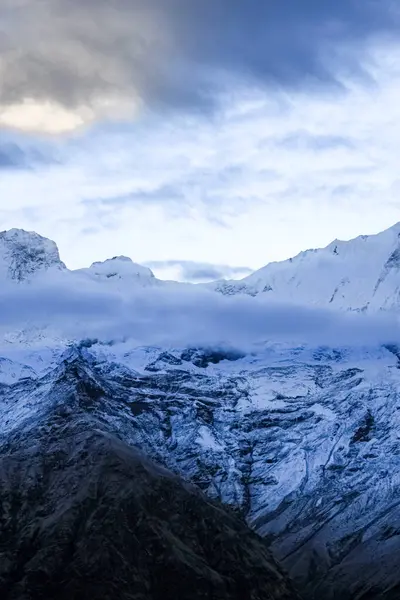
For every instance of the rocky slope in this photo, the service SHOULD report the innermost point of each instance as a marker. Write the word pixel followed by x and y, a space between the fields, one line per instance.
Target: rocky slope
pixel 304 445
pixel 83 515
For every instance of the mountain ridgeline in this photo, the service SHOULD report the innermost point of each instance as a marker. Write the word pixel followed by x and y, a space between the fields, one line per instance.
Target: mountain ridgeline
pixel 362 274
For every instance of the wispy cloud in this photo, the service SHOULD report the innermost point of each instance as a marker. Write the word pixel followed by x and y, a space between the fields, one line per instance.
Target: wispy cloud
pixel 304 140
pixel 192 271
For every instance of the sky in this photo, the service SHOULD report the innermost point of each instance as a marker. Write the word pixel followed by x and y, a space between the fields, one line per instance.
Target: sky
pixel 203 138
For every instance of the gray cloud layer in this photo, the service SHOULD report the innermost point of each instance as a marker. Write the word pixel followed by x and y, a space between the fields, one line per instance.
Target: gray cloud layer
pixel 175 52
pixel 185 316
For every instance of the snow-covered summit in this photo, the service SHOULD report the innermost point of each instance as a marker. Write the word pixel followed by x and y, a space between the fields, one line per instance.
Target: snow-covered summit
pixel 360 274
pixel 24 254
pixel 120 266
pixel 118 271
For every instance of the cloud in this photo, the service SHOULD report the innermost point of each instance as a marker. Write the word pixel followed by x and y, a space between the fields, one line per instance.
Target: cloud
pixel 181 316
pixel 161 194
pixel 15 156
pixel 242 198
pixel 65 63
pixel 304 140
pixel 196 272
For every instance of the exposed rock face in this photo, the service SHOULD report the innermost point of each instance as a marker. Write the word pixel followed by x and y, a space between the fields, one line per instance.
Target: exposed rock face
pixel 83 515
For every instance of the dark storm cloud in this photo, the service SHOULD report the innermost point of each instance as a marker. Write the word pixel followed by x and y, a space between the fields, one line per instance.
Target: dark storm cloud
pixel 178 52
pixel 198 271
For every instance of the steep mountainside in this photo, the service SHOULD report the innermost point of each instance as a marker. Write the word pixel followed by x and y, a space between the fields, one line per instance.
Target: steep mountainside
pixel 362 274
pixel 83 515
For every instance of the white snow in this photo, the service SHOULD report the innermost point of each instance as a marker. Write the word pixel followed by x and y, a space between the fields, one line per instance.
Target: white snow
pixel 11 371
pixel 207 440
pixel 119 271
pixel 362 274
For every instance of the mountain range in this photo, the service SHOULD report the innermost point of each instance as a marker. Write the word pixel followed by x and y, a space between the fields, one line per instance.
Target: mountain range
pixel 202 443
pixel 361 274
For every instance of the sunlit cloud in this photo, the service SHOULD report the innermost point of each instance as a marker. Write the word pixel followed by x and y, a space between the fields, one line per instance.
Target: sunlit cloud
pixel 61 61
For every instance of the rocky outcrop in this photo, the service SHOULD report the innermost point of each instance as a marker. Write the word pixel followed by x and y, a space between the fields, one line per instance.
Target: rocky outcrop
pixel 84 515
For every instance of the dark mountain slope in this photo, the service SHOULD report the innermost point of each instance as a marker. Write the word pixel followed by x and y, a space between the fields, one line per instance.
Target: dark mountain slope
pixel 84 516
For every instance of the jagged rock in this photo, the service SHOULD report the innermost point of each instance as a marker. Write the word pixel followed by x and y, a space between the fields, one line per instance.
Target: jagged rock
pixel 203 357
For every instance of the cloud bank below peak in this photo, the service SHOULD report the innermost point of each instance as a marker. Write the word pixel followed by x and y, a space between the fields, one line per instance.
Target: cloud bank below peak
pixel 173 317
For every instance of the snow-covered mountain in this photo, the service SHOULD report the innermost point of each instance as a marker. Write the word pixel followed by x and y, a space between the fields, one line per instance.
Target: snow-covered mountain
pixel 301 440
pixel 85 514
pixel 304 443
pixel 362 274
pixel 25 255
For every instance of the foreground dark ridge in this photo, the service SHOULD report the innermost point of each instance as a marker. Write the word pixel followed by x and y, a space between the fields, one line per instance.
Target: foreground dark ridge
pixel 84 516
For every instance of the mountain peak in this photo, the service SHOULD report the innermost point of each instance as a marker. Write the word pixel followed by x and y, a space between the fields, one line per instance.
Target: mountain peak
pixel 119 267
pixel 360 274
pixel 25 253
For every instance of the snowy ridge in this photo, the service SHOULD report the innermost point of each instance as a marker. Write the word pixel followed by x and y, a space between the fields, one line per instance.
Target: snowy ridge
pixel 120 268
pixel 362 274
